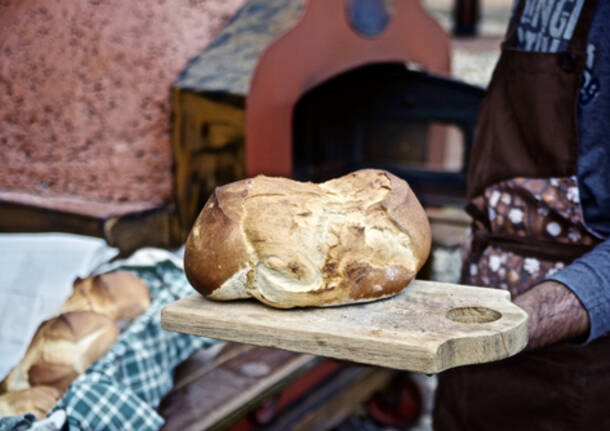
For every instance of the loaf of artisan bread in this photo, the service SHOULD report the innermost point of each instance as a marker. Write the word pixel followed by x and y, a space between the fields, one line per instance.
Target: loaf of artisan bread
pixel 119 295
pixel 62 348
pixel 38 400
pixel 288 244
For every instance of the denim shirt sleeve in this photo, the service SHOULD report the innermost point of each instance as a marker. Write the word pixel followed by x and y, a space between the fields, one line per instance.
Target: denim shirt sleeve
pixel 589 278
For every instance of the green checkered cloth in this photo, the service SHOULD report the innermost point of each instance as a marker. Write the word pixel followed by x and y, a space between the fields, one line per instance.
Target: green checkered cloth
pixel 122 390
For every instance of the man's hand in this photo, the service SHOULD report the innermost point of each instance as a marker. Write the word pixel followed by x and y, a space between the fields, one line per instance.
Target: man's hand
pixel 555 314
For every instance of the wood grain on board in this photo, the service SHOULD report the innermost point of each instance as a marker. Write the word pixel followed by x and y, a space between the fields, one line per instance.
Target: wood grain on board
pixel 429 327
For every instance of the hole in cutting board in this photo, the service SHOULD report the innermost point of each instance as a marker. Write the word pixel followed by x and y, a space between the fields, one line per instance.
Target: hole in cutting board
pixel 473 315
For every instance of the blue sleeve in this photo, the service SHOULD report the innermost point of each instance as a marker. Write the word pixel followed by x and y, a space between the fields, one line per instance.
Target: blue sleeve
pixel 589 278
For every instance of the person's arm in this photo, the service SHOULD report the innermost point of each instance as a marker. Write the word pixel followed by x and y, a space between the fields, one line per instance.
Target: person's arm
pixel 573 303
pixel 555 314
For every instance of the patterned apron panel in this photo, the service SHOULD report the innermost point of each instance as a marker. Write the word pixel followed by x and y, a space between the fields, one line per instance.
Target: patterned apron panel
pixel 541 210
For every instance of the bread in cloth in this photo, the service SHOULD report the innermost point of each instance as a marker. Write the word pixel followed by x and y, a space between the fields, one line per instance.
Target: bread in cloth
pixel 360 237
pixel 119 295
pixel 62 348
pixel 38 400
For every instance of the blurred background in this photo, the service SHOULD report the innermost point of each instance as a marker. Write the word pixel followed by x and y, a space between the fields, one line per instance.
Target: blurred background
pixel 118 119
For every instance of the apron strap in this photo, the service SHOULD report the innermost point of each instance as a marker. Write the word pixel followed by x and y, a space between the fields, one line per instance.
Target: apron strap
pixel 578 43
pixel 511 38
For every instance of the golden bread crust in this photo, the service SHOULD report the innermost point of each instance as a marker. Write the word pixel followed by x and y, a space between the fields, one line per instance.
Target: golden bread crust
pixel 293 244
pixel 207 266
pixel 119 295
pixel 62 348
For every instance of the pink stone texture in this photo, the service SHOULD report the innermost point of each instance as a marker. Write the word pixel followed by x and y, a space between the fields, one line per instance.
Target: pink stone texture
pixel 84 93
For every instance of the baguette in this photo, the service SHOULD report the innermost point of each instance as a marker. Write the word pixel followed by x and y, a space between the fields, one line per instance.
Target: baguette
pixel 119 295
pixel 62 348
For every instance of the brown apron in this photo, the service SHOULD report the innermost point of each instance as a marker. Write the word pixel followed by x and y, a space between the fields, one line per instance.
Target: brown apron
pixel 528 223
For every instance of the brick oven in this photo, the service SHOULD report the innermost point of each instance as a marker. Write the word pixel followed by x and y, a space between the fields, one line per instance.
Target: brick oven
pixel 322 88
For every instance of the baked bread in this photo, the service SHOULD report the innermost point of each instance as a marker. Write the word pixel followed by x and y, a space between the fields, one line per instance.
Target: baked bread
pixel 119 295
pixel 62 348
pixel 38 400
pixel 288 244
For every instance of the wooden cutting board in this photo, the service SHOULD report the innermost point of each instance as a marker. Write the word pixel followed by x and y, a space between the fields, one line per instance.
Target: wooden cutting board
pixel 429 327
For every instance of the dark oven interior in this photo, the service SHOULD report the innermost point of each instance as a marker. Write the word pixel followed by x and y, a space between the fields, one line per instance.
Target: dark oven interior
pixel 418 126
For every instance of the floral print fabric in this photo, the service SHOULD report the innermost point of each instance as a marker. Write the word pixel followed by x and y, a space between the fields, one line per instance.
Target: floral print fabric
pixel 538 209
pixel 509 271
pixel 545 209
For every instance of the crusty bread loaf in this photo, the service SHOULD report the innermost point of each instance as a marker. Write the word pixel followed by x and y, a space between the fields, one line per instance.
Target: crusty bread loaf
pixel 119 295
pixel 288 244
pixel 38 400
pixel 84 329
pixel 62 348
